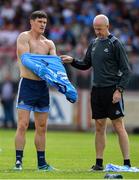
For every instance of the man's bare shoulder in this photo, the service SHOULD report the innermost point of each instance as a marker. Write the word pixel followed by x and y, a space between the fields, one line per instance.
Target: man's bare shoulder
pixel 50 45
pixel 24 35
pixel 47 41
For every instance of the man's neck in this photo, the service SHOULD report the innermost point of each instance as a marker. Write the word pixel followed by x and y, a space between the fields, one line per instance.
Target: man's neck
pixel 35 35
pixel 105 37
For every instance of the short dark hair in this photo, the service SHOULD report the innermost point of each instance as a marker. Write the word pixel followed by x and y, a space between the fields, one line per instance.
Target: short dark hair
pixel 38 14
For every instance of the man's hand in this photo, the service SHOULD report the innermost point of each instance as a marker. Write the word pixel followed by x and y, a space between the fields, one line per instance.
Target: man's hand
pixel 116 97
pixel 66 58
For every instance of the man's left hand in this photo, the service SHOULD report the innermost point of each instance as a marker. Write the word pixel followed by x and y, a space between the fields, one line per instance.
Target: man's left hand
pixel 116 96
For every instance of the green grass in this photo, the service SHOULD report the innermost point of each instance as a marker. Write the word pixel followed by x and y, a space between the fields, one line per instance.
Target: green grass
pixel 72 153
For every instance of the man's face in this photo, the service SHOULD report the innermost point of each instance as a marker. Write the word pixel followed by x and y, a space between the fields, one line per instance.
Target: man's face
pixel 101 30
pixel 39 25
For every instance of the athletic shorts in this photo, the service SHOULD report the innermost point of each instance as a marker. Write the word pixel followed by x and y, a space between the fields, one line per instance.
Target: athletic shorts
pixel 102 106
pixel 33 95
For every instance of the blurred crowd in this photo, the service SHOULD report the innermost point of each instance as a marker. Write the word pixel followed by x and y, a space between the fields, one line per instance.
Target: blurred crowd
pixel 70 27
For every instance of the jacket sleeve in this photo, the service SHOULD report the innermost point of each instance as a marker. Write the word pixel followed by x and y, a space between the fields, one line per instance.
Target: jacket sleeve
pixel 123 65
pixel 86 62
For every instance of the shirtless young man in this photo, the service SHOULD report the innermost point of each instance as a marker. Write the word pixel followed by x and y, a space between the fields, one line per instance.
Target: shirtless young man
pixel 33 93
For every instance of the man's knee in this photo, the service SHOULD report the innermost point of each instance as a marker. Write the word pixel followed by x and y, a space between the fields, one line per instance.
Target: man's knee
pixel 22 127
pixel 100 126
pixel 41 128
pixel 118 125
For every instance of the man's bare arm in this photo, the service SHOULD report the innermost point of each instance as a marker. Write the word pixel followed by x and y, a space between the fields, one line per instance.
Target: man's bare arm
pixel 52 48
pixel 22 44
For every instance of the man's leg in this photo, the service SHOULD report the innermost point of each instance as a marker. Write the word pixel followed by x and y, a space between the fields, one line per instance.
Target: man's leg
pixel 119 127
pixel 100 137
pixel 40 131
pixel 22 125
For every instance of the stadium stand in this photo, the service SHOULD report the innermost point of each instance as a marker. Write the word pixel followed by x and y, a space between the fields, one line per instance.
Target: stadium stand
pixel 70 27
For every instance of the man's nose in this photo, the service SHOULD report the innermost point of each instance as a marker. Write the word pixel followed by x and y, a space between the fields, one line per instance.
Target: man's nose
pixel 43 24
pixel 97 32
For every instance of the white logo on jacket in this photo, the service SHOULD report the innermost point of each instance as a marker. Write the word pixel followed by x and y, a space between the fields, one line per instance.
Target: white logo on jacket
pixel 93 49
pixel 106 50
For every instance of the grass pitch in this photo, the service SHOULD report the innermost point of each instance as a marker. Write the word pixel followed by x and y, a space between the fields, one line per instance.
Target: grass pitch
pixel 73 153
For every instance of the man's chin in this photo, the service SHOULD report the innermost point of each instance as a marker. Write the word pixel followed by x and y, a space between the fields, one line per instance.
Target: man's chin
pixel 41 32
pixel 101 37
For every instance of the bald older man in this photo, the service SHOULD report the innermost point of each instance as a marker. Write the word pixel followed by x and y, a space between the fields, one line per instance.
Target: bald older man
pixel 110 74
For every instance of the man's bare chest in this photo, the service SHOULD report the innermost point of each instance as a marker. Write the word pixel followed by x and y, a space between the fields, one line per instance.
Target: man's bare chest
pixel 38 47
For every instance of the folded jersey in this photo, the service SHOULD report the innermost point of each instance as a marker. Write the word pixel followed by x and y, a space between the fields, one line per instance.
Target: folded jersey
pixel 50 69
pixel 117 168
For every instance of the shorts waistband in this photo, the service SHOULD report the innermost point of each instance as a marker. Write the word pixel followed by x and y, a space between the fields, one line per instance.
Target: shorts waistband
pixel 106 87
pixel 33 81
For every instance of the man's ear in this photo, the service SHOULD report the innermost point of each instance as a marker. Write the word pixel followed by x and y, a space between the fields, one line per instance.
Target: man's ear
pixel 31 21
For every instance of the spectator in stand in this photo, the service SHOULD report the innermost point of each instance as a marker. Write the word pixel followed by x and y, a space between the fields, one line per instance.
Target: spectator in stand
pixel 77 14
pixel 7 101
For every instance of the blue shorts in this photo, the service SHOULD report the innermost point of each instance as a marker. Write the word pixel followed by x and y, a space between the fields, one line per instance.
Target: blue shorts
pixel 33 95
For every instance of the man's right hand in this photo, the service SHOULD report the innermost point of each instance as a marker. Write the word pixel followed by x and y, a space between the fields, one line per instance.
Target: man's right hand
pixel 66 58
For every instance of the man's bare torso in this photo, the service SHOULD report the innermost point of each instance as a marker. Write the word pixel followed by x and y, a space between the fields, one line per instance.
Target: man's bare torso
pixel 36 46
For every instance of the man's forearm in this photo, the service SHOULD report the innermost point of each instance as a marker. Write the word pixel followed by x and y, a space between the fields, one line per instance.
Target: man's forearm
pixel 79 64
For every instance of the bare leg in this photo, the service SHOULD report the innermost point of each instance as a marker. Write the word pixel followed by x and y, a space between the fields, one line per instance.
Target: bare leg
pixel 100 137
pixel 40 132
pixel 41 127
pixel 22 125
pixel 122 136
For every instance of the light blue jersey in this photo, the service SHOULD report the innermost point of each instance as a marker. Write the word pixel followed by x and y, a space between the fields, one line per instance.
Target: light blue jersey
pixel 50 69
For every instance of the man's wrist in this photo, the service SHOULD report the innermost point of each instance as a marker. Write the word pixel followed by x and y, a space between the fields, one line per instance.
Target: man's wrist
pixel 73 60
pixel 120 89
